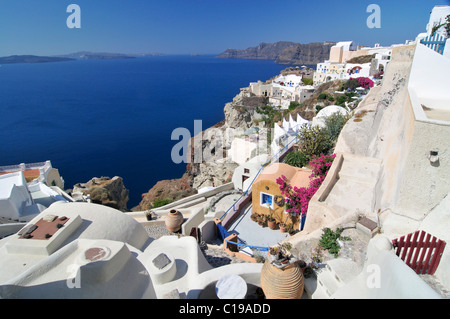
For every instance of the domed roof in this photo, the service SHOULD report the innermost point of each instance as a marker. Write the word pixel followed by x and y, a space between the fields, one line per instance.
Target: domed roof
pixel 319 119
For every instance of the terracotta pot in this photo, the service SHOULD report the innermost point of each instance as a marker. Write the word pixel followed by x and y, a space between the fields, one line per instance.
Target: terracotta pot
pixel 282 228
pixel 282 283
pixel 272 225
pixel 174 220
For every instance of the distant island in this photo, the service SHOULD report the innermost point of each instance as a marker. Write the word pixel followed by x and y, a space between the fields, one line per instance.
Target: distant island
pixel 283 52
pixel 82 55
pixel 32 59
pixel 86 55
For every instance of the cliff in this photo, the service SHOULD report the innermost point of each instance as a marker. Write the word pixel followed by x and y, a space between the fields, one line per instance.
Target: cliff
pixel 283 52
pixel 105 191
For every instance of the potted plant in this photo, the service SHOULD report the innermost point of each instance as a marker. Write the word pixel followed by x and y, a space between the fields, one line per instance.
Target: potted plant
pixel 282 227
pixel 254 217
pixel 271 222
pixel 262 220
pixel 290 229
pixel 273 253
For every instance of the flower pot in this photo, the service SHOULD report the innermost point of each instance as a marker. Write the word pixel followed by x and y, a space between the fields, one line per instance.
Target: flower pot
pixel 282 283
pixel 282 228
pixel 272 224
pixel 174 220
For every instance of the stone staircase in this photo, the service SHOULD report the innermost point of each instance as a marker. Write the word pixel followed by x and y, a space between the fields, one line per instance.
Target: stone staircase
pixel 330 277
pixel 354 189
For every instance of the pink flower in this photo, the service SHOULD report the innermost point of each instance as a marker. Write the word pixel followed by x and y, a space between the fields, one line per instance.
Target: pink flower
pixel 297 199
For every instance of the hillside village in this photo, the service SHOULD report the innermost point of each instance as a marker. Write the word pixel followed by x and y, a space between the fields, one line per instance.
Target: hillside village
pixel 333 185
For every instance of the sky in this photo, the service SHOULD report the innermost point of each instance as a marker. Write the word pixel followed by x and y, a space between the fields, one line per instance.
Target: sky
pixel 201 26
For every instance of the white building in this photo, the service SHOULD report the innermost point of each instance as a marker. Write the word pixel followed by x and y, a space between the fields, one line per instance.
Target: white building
pixel 285 131
pixel 340 71
pixel 22 202
pixel 15 200
pixel 437 17
pixel 244 174
pixel 242 150
pixel 283 90
pixel 36 172
pixel 24 191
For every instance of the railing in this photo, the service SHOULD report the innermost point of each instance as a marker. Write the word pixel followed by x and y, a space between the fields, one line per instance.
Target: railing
pixel 436 43
pixel 250 246
pixel 18 167
pixel 427 251
pixel 278 155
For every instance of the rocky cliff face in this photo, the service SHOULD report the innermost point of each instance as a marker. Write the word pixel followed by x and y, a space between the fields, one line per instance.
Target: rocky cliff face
pixel 105 191
pixel 172 189
pixel 283 52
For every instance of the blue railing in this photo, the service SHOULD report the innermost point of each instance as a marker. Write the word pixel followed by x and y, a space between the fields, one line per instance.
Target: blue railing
pixel 435 42
pixel 250 246
pixel 277 156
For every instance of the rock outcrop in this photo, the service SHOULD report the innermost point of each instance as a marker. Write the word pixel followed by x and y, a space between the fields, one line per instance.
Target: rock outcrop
pixel 283 52
pixel 105 191
pixel 172 189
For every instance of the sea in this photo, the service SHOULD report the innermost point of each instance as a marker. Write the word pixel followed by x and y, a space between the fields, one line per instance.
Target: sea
pixel 94 118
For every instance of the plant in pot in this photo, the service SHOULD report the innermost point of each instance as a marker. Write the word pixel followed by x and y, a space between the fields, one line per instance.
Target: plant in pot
pixel 281 255
pixel 271 222
pixel 290 229
pixel 254 216
pixel 262 220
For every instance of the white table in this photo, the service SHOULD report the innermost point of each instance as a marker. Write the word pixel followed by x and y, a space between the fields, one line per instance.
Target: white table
pixel 231 287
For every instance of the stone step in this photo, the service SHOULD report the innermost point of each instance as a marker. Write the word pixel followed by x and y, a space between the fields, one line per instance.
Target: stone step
pixel 329 278
pixel 360 169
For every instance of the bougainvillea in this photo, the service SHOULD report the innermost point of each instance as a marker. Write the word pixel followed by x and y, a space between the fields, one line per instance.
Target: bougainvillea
pixel 365 82
pixel 297 198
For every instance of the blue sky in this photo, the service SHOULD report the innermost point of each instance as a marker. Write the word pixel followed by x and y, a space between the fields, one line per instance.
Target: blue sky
pixel 201 26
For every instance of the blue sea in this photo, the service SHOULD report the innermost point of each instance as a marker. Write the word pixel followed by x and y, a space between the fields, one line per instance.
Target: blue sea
pixel 96 118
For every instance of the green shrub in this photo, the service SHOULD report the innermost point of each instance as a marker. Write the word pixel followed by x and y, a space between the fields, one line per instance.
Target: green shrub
pixel 314 140
pixel 322 96
pixel 161 202
pixel 334 124
pixel 351 84
pixel 341 100
pixel 329 240
pixel 297 159
pixel 307 81
pixel 293 106
pixel 270 114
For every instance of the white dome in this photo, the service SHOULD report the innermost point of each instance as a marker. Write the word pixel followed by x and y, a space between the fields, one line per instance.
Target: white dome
pixel 319 119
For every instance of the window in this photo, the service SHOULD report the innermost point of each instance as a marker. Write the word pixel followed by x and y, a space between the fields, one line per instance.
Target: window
pixel 246 171
pixel 266 200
